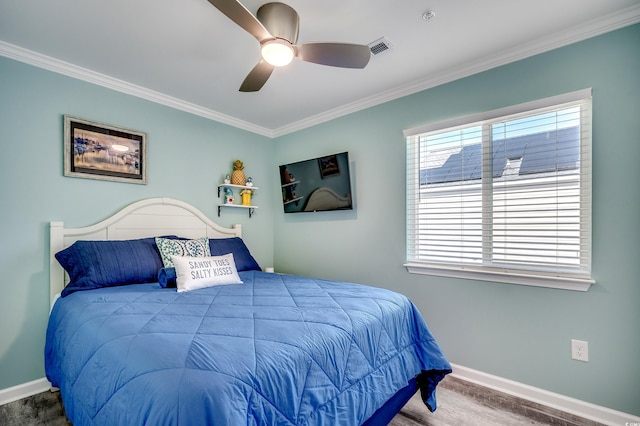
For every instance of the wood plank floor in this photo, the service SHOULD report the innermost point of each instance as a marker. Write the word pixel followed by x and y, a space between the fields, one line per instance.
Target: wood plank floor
pixel 460 403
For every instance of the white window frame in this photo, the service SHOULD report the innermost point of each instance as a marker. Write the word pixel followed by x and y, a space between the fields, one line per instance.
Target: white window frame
pixel 568 280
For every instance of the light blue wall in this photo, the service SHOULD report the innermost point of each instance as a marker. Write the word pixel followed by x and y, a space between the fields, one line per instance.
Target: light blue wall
pixel 520 333
pixel 516 332
pixel 188 157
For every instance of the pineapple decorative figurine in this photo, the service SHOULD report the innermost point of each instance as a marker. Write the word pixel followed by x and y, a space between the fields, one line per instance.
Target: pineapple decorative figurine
pixel 238 177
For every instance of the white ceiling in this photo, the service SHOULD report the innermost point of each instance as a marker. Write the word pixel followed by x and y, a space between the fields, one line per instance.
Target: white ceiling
pixel 186 54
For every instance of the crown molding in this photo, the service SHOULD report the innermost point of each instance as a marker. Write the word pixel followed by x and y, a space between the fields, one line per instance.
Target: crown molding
pixel 624 18
pixel 70 70
pixel 582 32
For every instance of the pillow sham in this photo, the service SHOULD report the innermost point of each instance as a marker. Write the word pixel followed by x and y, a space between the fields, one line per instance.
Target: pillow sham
pixel 193 273
pixel 178 247
pixel 96 264
pixel 241 255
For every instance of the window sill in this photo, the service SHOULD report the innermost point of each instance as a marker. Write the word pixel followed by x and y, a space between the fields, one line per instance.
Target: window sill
pixel 548 281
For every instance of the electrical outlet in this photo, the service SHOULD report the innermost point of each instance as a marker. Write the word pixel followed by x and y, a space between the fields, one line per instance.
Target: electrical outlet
pixel 580 350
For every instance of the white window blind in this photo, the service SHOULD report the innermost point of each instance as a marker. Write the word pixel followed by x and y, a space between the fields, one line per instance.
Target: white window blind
pixel 504 195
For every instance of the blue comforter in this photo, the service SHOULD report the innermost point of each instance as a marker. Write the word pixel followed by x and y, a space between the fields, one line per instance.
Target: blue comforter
pixel 276 350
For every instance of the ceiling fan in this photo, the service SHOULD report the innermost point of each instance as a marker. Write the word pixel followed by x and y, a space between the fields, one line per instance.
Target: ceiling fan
pixel 276 27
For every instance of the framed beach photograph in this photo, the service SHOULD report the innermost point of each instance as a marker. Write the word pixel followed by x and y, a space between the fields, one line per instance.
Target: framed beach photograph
pixel 100 151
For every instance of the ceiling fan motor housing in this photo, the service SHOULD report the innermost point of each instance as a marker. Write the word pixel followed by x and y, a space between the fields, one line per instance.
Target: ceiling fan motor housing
pixel 280 20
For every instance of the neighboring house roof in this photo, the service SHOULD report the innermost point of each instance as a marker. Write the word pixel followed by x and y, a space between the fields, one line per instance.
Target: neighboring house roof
pixel 533 153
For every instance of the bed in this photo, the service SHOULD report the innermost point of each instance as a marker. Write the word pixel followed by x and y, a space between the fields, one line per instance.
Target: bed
pixel 126 347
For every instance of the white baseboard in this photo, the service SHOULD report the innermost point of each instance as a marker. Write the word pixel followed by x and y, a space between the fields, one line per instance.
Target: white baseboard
pixel 24 390
pixel 540 396
pixel 574 406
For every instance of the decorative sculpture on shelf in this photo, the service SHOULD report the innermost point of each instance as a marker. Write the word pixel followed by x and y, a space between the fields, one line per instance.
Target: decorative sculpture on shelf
pixel 227 179
pixel 246 196
pixel 228 195
pixel 238 177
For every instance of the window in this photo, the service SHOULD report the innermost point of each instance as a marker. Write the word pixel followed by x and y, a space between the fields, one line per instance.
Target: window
pixel 505 195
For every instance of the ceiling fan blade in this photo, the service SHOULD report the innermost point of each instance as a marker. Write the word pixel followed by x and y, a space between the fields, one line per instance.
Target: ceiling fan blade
pixel 239 14
pixel 257 77
pixel 343 55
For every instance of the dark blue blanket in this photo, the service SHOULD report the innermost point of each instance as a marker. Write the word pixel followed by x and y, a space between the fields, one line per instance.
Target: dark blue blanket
pixel 276 350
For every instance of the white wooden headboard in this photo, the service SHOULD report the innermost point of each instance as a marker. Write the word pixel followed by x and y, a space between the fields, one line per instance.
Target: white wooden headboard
pixel 145 218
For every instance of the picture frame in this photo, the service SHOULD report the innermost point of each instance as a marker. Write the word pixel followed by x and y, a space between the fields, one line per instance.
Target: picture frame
pixel 101 151
pixel 328 166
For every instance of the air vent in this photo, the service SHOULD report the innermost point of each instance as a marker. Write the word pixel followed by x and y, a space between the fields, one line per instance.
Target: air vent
pixel 380 45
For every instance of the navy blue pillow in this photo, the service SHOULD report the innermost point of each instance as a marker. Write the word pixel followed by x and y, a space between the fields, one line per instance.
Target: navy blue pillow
pixel 96 264
pixel 241 255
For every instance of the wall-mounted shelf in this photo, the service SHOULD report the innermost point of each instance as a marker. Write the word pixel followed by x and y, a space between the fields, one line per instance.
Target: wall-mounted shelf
pixel 240 206
pixel 251 208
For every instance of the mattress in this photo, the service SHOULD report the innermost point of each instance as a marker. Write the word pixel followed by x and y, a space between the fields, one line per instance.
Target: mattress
pixel 275 350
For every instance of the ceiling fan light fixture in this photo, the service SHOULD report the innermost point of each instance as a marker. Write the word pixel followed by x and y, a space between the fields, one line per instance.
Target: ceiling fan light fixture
pixel 277 52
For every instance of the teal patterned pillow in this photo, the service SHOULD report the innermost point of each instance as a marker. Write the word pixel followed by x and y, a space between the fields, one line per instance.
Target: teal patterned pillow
pixel 193 248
